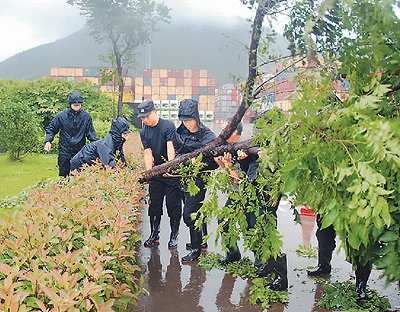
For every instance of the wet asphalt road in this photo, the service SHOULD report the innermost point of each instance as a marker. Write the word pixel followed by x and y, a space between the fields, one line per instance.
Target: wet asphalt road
pixel 175 286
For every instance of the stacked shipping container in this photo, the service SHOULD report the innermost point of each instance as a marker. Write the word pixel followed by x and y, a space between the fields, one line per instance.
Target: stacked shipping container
pixel 167 87
pixel 93 74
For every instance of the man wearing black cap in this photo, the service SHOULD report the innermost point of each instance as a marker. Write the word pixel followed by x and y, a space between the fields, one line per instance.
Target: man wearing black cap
pixel 158 137
pixel 75 126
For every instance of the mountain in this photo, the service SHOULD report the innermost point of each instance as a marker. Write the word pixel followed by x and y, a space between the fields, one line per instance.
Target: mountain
pixel 219 48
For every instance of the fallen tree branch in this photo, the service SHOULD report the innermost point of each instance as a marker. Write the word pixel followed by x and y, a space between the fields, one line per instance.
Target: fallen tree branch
pixel 219 144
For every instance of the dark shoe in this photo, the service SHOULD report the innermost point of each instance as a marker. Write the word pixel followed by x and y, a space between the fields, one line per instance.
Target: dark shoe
pixel 152 241
pixel 203 246
pixel 320 270
pixel 193 255
pixel 266 269
pixel 278 284
pixel 280 281
pixel 362 276
pixel 230 257
pixel 154 238
pixel 361 288
pixel 173 239
pixel 258 263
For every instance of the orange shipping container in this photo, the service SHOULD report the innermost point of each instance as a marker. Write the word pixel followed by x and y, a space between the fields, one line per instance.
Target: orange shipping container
pixel 155 73
pixel 211 100
pixel 139 81
pixel 79 71
pixel 62 71
pixel 70 71
pixel 171 90
pixel 187 91
pixel 94 80
pixel 211 107
pixel 203 82
pixel 155 90
pixel 147 89
pixel 163 91
pixel 203 73
pixel 202 106
pixel 203 99
pixel 163 73
pixel 139 89
pixel 180 90
pixel 171 81
pixel 187 73
pixel 155 81
pixel 128 81
pixel 54 71
pixel 187 82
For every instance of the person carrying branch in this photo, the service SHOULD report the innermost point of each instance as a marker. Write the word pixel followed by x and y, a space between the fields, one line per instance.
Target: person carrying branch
pixel 247 164
pixel 158 136
pixel 193 135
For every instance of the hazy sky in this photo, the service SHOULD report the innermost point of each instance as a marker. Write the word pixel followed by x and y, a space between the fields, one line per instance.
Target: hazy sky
pixel 25 24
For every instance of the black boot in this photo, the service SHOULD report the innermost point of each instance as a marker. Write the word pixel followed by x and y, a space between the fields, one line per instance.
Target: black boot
pixel 324 263
pixel 154 237
pixel 203 246
pixel 362 275
pixel 232 255
pixel 195 239
pixel 323 268
pixel 266 268
pixel 280 281
pixel 173 239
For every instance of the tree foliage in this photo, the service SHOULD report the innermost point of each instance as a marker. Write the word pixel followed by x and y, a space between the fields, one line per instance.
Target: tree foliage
pixel 19 129
pixel 342 158
pixel 125 25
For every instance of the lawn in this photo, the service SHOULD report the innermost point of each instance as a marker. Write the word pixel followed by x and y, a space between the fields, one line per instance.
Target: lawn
pixel 15 176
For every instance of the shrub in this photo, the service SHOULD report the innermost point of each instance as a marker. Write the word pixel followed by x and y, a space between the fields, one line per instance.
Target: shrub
pixel 72 245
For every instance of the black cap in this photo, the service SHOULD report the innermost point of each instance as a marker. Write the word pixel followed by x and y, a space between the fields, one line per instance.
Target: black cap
pixel 146 108
pixel 75 98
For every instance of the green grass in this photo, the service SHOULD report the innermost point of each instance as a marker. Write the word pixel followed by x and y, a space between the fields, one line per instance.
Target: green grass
pixel 15 176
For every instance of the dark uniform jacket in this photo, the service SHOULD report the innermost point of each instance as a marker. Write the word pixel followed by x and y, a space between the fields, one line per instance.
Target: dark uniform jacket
pixel 105 149
pixel 187 141
pixel 74 128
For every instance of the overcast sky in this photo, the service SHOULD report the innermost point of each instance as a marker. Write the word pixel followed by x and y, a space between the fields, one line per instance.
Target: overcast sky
pixel 25 24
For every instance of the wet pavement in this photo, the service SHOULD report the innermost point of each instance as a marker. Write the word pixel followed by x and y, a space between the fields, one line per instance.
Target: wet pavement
pixel 174 286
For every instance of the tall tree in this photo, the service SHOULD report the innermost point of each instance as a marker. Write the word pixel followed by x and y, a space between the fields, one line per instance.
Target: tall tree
pixel 125 25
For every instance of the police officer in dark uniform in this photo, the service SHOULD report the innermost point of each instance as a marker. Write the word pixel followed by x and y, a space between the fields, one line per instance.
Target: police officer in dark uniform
pixel 193 135
pixel 75 126
pixel 248 164
pixel 158 137
pixel 107 149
